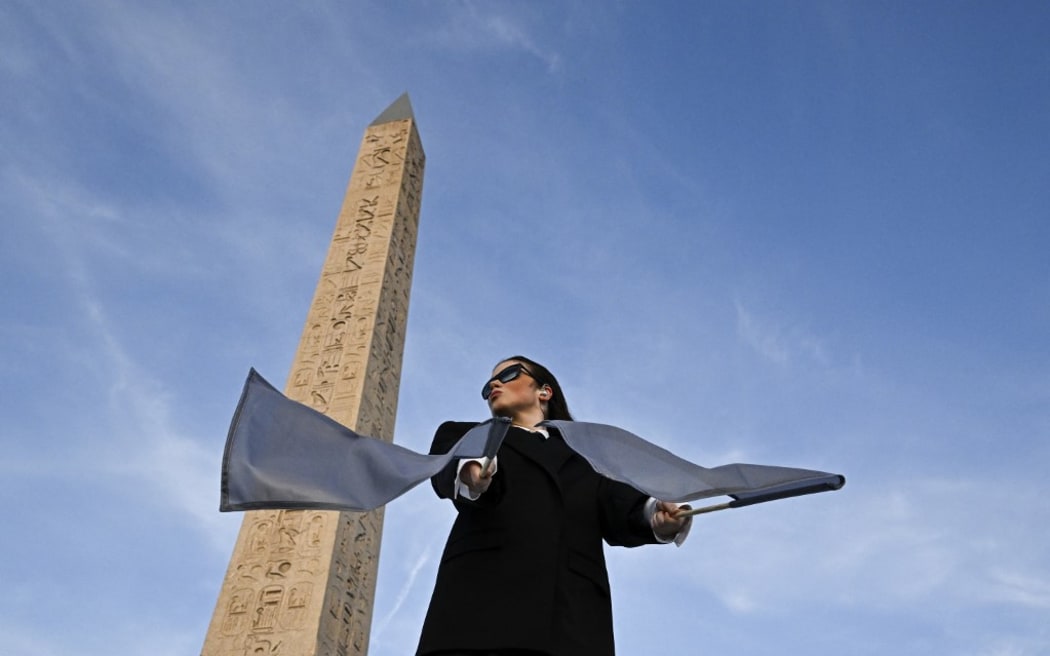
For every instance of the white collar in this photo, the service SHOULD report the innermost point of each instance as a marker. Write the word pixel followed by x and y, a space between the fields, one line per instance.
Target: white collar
pixel 539 429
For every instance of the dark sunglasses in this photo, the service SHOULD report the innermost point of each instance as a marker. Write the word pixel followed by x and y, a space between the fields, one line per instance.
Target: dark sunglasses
pixel 510 373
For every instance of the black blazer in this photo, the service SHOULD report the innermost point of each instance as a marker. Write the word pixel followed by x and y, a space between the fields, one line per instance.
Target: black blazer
pixel 524 567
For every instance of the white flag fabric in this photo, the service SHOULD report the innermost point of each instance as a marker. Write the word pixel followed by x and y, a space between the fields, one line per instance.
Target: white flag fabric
pixel 281 454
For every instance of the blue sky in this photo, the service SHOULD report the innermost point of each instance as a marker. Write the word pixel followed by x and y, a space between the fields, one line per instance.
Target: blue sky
pixel 808 234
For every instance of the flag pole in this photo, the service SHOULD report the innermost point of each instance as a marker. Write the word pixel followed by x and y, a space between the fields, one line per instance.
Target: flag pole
pixel 704 509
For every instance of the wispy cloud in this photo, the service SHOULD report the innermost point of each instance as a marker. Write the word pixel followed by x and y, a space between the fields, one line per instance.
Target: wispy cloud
pixel 903 547
pixel 484 27
pixel 133 435
pixel 1021 588
pixel 781 345
pixel 422 559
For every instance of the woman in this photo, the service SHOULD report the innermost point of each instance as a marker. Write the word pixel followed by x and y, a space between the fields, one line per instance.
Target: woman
pixel 523 571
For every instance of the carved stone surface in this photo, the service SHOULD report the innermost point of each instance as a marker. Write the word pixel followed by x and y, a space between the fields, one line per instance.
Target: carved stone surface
pixel 301 583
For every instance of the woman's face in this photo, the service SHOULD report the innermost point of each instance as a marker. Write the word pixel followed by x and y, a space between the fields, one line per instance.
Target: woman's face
pixel 515 396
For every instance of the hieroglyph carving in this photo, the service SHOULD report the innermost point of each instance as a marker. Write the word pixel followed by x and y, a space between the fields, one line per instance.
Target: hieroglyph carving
pixel 301 583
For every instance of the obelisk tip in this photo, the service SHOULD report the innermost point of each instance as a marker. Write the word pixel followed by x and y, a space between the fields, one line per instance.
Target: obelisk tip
pixel 398 110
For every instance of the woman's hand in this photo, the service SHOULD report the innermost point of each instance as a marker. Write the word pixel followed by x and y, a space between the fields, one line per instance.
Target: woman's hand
pixel 666 522
pixel 475 478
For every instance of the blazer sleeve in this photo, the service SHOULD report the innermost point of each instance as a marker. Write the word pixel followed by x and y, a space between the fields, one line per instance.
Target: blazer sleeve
pixel 623 519
pixel 445 438
pixel 444 482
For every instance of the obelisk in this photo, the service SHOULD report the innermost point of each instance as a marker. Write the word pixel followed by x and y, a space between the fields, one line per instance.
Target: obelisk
pixel 301 583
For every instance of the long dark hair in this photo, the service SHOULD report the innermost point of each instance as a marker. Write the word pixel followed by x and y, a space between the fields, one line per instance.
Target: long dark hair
pixel 557 406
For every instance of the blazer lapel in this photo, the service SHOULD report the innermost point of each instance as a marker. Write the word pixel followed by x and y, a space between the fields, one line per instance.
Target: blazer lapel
pixel 550 453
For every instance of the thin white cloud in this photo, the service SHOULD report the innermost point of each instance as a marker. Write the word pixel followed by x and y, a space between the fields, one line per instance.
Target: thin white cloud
pixel 134 437
pixel 776 343
pixel 145 446
pixel 512 34
pixel 423 558
pixel 19 640
pixel 909 546
pixel 1018 588
pixel 482 27
pixel 765 340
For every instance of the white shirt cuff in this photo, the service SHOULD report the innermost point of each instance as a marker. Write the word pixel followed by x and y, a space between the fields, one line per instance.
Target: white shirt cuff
pixel 679 538
pixel 461 488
